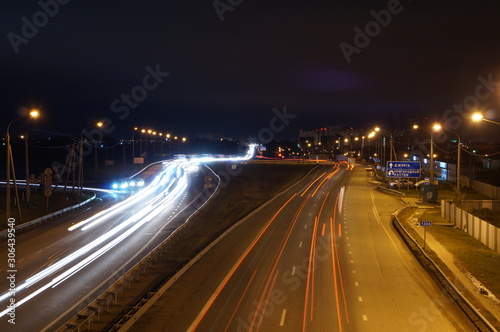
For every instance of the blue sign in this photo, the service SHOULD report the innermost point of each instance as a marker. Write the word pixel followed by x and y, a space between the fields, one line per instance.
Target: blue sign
pixel 403 169
pixel 425 223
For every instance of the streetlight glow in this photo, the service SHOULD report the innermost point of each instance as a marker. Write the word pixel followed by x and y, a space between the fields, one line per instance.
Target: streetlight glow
pixel 476 116
pixel 436 127
pixel 34 113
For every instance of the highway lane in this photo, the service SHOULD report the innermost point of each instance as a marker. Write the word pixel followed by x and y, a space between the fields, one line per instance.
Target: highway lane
pixel 322 259
pixel 143 221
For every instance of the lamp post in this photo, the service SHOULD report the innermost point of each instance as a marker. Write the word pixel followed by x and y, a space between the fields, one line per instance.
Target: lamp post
pixel 80 161
pixel 436 127
pixel 459 153
pixel 184 139
pixel 478 116
pixel 169 144
pixel 26 156
pixel 34 113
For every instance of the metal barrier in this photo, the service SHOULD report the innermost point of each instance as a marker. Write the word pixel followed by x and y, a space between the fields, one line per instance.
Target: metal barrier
pixel 428 264
pixel 48 216
pixel 390 191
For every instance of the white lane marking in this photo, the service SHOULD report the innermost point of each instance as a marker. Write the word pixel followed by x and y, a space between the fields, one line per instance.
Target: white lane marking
pixel 356 283
pixel 300 244
pixel 375 212
pixel 383 227
pixel 282 320
pixel 347 238
pixel 364 317
pixel 354 271
pixel 305 226
pixel 360 299
pixel 348 244
pixel 350 252
pixel 352 262
pixel 293 271
pixel 310 214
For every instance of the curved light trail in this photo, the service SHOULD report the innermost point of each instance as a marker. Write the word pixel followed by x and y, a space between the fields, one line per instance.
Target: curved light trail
pixel 171 182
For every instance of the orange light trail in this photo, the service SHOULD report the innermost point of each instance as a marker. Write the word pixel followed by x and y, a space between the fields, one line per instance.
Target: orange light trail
pixel 334 267
pixel 265 303
pixel 211 301
pixel 319 177
pixel 239 302
pixel 308 279
pixel 280 253
pixel 338 264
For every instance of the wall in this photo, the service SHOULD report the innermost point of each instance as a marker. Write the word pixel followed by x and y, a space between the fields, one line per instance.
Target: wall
pixel 481 230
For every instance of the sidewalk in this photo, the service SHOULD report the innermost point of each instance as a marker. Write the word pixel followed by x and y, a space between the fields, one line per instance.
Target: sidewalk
pixel 460 276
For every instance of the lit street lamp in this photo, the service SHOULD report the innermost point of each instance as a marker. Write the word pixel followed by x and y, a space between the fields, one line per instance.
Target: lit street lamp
pixel 436 127
pixel 34 113
pixel 80 169
pixel 477 116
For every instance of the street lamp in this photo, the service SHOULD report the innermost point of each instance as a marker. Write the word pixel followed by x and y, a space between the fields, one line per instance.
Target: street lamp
pixel 478 116
pixel 459 153
pixel 80 169
pixel 34 114
pixel 436 127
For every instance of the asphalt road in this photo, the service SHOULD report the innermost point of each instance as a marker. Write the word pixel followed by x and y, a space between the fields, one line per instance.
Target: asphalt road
pixel 84 262
pixel 320 257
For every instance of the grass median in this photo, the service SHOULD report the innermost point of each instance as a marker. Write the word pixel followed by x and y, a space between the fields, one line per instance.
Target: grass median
pixel 250 186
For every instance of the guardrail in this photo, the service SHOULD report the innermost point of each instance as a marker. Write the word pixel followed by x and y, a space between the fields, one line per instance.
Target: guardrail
pixel 33 222
pixel 390 191
pixel 93 310
pixel 430 266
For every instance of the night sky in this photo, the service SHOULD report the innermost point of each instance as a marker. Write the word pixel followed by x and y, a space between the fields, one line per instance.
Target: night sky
pixel 224 70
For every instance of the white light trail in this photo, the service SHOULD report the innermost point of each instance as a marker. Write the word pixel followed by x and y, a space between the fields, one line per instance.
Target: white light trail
pixel 167 187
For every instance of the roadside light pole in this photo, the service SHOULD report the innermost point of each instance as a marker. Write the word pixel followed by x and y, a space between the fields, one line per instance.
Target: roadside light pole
pixel 28 189
pixel 34 113
pixel 80 159
pixel 436 127
pixel 431 166
pixel 478 116
pixel 459 154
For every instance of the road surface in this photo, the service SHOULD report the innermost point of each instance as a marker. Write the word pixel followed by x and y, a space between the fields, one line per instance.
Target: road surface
pixel 321 257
